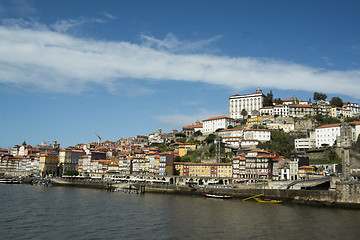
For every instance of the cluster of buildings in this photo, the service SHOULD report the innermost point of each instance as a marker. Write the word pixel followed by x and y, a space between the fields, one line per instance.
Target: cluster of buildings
pixel 139 155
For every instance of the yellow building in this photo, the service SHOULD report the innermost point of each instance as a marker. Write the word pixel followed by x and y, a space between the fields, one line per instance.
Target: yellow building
pixel 48 163
pixel 156 164
pixel 253 120
pixel 179 168
pixel 203 169
pixel 224 170
pixel 182 148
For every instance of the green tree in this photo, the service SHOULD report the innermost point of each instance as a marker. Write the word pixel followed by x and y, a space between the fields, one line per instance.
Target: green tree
pixel 319 96
pixel 336 101
pixel 230 127
pixel 280 142
pixel 219 129
pixel 197 133
pixel 352 119
pixel 268 100
pixel 210 139
pixel 278 101
pixel 332 157
pixel 244 113
pixel 212 150
pixel 181 140
pixel 180 135
pixel 71 172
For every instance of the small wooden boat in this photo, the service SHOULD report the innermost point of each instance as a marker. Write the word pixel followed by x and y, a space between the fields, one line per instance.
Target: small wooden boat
pixel 216 196
pixel 256 198
pixel 267 201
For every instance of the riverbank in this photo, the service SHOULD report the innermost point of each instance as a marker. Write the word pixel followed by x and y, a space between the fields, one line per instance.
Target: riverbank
pixel 345 195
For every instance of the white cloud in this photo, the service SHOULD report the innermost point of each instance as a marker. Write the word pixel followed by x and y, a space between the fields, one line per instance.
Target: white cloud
pixel 172 44
pixel 178 120
pixel 108 15
pixel 65 25
pixel 35 56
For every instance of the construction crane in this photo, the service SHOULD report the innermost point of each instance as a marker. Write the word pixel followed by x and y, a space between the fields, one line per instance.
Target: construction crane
pixel 99 139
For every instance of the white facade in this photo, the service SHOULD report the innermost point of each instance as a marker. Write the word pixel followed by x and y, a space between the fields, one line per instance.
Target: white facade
pixel 353 107
pixel 234 132
pixel 156 137
pixel 212 124
pixel 249 143
pixel 303 144
pixel 300 110
pixel 294 170
pixel 267 111
pixel 232 141
pixel 327 134
pixel 281 110
pixel 356 126
pixel 249 102
pixel 261 135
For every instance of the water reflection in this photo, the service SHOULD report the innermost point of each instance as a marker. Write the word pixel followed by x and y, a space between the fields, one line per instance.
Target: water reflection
pixel 30 212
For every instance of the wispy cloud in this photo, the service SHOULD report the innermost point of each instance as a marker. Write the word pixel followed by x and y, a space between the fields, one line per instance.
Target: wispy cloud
pixel 327 61
pixel 172 44
pixel 179 120
pixel 108 15
pixel 38 56
pixel 65 25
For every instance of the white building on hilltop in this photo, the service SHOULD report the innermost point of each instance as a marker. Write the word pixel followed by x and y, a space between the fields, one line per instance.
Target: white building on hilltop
pixel 250 102
pixel 210 125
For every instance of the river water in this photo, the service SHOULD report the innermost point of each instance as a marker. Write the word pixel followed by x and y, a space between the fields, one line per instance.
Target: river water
pixel 33 212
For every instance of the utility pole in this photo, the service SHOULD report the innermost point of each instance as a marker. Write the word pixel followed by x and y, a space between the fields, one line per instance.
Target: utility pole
pixel 218 149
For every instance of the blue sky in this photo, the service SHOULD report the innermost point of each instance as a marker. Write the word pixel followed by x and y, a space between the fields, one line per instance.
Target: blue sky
pixel 122 68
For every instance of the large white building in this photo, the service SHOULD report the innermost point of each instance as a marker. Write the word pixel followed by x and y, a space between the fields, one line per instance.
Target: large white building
pixel 327 134
pixel 249 102
pixel 210 125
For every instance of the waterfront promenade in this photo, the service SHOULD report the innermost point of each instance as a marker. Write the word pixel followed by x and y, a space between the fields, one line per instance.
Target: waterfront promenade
pixel 344 194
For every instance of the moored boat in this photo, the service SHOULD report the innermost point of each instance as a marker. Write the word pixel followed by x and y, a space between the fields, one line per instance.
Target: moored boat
pixel 216 196
pixel 10 181
pixel 267 201
pixel 256 198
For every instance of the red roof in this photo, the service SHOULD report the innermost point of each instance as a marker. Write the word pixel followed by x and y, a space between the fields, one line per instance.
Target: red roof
pixel 303 105
pixel 355 123
pixel 193 126
pixel 308 167
pixel 263 130
pixel 231 129
pixel 330 125
pixel 214 118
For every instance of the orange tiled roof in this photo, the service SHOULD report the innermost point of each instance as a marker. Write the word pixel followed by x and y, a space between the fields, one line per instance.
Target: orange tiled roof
pixel 214 118
pixel 231 129
pixel 308 167
pixel 193 126
pixel 330 125
pixel 258 150
pixel 263 130
pixel 303 105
